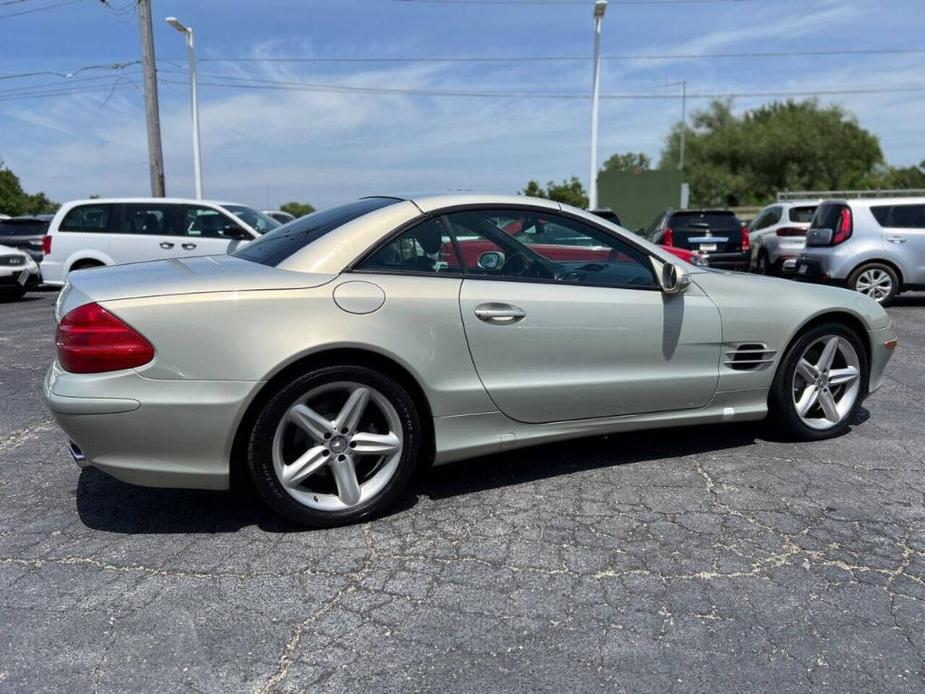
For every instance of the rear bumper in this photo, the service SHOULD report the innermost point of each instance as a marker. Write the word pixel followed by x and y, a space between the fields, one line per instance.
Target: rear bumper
pixel 728 261
pixel 151 432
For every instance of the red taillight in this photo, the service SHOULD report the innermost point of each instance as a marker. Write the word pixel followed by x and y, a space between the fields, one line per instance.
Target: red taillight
pixel 790 231
pixel 746 242
pixel 46 244
pixel 845 227
pixel 90 340
pixel 668 238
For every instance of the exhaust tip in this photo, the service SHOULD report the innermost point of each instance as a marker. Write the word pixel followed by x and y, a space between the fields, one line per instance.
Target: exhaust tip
pixel 76 453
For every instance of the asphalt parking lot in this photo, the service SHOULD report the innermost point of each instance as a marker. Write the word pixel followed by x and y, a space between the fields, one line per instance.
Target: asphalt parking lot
pixel 686 559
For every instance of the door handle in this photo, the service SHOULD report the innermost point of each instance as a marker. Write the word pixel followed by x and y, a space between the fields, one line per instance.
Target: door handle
pixel 188 246
pixel 502 314
pixel 896 239
pixel 167 244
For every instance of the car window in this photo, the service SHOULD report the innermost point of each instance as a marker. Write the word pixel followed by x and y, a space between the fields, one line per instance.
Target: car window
pixel 425 248
pixel 802 215
pixel 761 221
pixel 87 218
pixel 259 222
pixel 23 227
pixel 900 216
pixel 275 246
pixel 531 245
pixel 204 222
pixel 828 215
pixel 150 219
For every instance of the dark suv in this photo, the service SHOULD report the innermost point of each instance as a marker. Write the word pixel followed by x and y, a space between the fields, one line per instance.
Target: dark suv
pixel 25 233
pixel 717 234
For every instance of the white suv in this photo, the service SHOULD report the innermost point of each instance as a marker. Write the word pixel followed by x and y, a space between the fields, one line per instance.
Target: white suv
pixel 90 233
pixel 778 234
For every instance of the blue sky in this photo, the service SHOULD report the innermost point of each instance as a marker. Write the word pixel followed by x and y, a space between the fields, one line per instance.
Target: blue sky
pixel 266 146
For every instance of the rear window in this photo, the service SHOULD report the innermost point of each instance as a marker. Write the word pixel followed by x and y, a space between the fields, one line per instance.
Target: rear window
pixel 802 215
pixel 87 218
pixel 23 227
pixel 274 247
pixel 706 220
pixel 900 216
pixel 828 215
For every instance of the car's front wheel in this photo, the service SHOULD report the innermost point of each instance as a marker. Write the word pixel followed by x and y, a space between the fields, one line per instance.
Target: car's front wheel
pixel 820 383
pixel 335 446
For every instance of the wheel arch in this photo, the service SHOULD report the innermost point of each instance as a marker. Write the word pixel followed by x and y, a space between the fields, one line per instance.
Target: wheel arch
pixel 331 356
pixel 848 319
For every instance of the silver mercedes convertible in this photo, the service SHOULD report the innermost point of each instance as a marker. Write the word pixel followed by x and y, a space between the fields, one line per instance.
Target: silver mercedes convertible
pixel 329 360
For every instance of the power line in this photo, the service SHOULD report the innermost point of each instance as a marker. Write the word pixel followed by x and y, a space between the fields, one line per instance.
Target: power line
pixel 573 58
pixel 52 85
pixel 570 2
pixel 39 9
pixel 71 73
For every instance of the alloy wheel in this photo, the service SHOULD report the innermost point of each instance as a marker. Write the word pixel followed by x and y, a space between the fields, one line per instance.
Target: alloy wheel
pixel 875 283
pixel 337 446
pixel 827 382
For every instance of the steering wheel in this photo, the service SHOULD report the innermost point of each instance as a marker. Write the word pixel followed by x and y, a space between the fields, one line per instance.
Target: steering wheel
pixel 518 265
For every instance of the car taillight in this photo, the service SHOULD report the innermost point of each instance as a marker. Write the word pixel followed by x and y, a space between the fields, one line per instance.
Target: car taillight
pixel 90 339
pixel 46 244
pixel 845 227
pixel 668 238
pixel 790 231
pixel 746 242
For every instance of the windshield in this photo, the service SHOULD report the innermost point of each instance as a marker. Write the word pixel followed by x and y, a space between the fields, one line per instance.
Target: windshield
pixel 257 221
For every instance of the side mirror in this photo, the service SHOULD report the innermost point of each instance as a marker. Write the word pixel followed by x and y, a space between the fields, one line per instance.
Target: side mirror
pixel 819 237
pixel 233 231
pixel 672 279
pixel 491 260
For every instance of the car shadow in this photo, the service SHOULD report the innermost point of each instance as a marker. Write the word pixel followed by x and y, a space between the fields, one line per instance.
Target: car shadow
pixel 917 299
pixel 105 503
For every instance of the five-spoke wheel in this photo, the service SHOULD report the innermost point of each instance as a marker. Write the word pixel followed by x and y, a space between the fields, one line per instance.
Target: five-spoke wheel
pixel 820 382
pixel 878 281
pixel 335 445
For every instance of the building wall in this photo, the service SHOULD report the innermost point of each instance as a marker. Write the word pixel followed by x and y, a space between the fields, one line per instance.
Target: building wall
pixel 638 197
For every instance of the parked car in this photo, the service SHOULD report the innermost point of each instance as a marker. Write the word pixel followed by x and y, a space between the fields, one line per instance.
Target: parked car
pixel 777 236
pixel 875 246
pixel 692 257
pixel 332 358
pixel 279 216
pixel 25 233
pixel 91 233
pixel 717 234
pixel 18 273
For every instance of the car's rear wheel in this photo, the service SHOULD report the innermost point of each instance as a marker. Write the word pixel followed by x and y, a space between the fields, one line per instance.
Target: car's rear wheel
pixel 877 280
pixel 335 446
pixel 820 383
pixel 763 264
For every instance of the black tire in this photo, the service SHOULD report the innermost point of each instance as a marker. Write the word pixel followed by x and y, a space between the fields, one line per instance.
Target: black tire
pixel 763 264
pixel 86 265
pixel 260 447
pixel 780 400
pixel 876 267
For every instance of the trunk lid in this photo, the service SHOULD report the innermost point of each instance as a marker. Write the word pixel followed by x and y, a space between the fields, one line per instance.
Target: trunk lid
pixel 711 232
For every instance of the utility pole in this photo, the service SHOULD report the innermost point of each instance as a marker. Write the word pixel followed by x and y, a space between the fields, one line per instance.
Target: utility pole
pixel 600 6
pixel 152 111
pixel 683 122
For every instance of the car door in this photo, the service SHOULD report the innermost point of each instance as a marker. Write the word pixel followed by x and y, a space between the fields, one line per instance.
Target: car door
pixel 903 229
pixel 146 231
pixel 556 340
pixel 205 231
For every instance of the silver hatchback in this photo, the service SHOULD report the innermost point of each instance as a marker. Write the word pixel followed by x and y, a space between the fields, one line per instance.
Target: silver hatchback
pixel 875 246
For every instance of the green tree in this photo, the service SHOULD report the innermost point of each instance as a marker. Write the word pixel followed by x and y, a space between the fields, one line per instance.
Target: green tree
pixel 570 192
pixel 745 160
pixel 15 201
pixel 632 162
pixel 898 178
pixel 297 209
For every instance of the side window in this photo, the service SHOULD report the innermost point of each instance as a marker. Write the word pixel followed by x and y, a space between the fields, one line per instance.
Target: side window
pixel 528 244
pixel 149 219
pixel 760 222
pixel 204 222
pixel 424 248
pixel 87 218
pixel 774 215
pixel 900 216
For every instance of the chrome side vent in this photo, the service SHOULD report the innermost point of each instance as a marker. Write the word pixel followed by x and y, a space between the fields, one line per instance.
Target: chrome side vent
pixel 750 356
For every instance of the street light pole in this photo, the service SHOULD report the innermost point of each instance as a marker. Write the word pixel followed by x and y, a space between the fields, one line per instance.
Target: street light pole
pixel 683 122
pixel 194 102
pixel 600 6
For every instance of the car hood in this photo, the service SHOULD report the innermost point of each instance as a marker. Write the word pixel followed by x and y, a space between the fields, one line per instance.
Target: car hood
pixel 771 297
pixel 197 275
